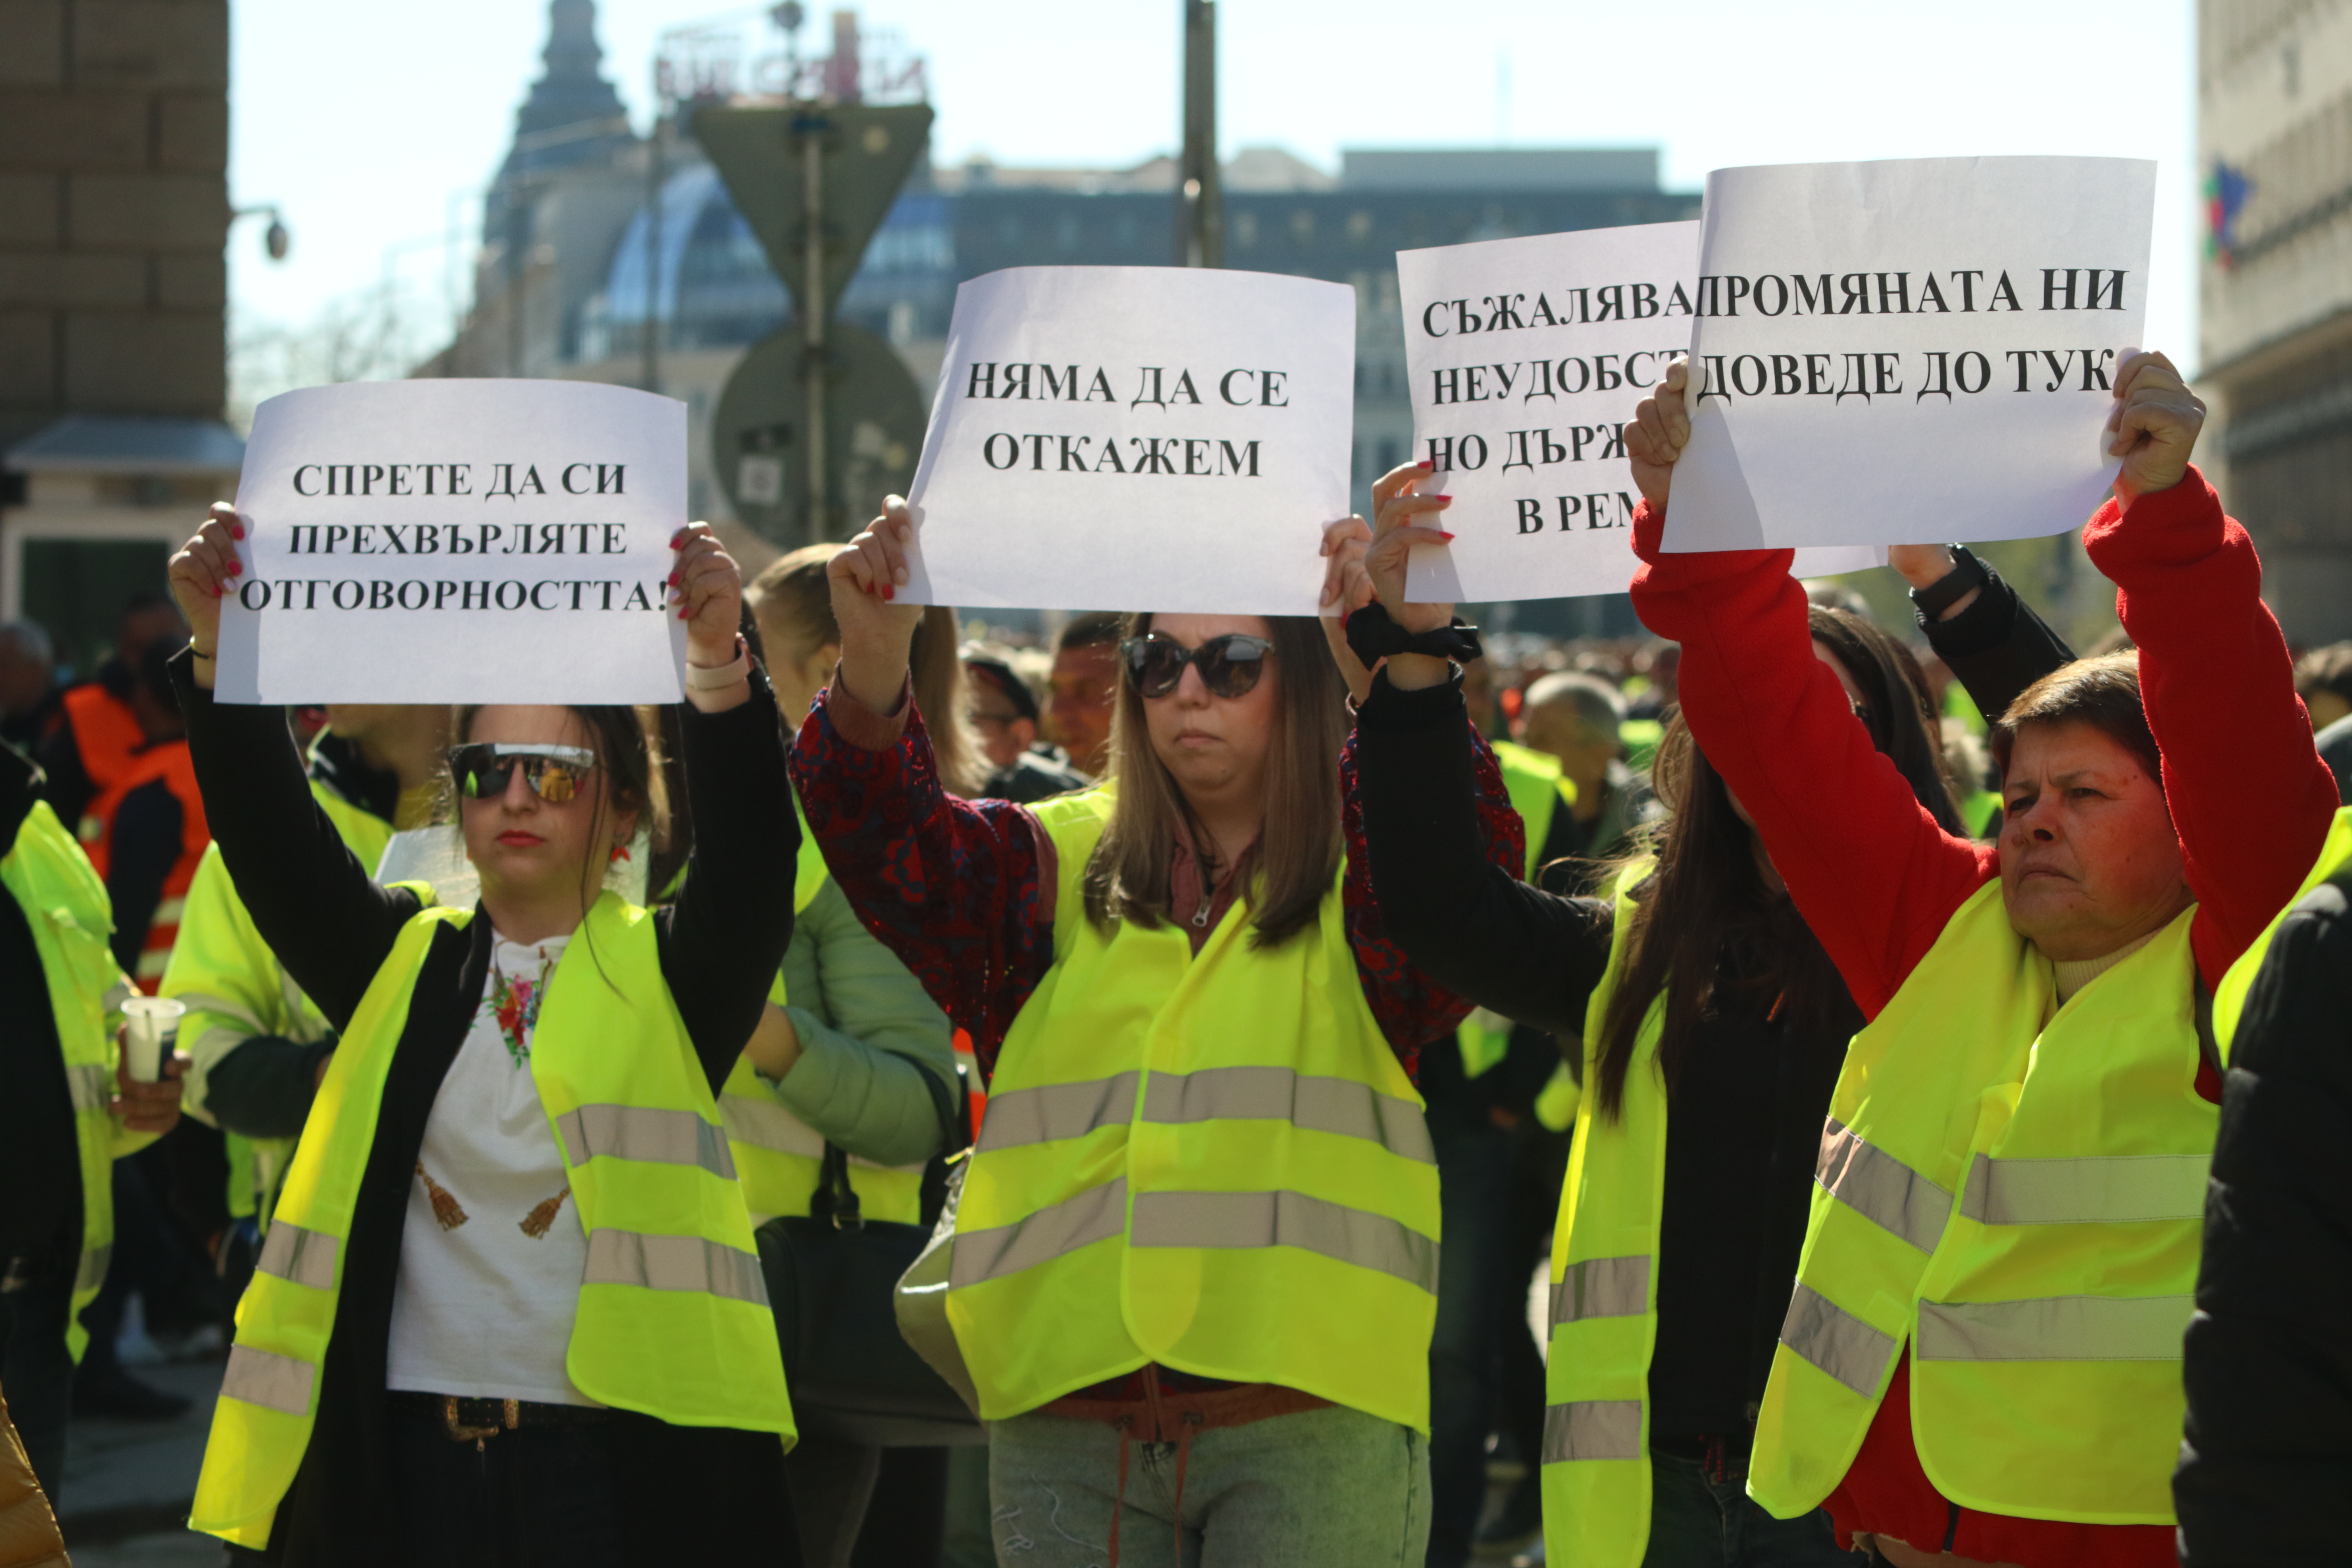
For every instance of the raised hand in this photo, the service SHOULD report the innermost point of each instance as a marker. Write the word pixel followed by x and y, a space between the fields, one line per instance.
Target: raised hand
pixel 2154 425
pixel 1397 506
pixel 874 632
pixel 1347 589
pixel 707 586
pixel 201 570
pixel 1660 428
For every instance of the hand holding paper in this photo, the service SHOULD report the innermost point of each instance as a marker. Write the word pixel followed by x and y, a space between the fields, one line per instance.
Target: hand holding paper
pixel 1655 435
pixel 201 571
pixel 876 632
pixel 2156 421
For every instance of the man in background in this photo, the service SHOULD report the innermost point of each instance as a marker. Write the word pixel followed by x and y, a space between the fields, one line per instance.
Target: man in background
pixel 31 707
pixel 106 724
pixel 1575 717
pixel 1085 681
pixel 1003 712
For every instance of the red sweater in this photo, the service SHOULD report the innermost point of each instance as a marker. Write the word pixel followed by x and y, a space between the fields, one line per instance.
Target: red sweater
pixel 1876 878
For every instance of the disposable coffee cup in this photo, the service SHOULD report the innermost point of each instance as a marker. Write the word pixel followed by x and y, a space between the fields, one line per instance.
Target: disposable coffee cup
pixel 150 1033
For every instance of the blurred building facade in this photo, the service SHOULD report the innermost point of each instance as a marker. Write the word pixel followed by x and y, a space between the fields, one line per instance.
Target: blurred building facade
pixel 2275 140
pixel 578 253
pixel 114 212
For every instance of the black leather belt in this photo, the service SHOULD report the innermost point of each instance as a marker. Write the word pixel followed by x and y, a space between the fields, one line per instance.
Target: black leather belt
pixel 471 1420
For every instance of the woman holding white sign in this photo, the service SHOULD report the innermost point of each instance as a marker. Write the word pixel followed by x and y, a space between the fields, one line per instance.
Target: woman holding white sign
pixel 1712 1027
pixel 1203 1211
pixel 1981 1359
pixel 509 1308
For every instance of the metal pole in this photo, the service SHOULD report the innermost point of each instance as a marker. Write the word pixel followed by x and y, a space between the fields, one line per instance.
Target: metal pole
pixel 812 128
pixel 1200 193
pixel 651 341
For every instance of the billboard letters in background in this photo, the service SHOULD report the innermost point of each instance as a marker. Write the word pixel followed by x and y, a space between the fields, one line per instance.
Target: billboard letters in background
pixel 1910 351
pixel 458 542
pixel 1136 438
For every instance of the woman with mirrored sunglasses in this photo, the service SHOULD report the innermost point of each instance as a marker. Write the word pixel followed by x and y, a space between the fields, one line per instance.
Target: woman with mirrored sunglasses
pixel 1202 1210
pixel 509 1308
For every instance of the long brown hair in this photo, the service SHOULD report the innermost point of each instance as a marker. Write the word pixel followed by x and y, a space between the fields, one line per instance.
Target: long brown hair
pixel 1706 931
pixel 1296 855
pixel 794 595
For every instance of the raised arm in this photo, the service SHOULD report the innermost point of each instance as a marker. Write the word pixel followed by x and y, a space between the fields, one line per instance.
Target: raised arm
pixel 961 891
pixel 2249 796
pixel 1873 873
pixel 316 906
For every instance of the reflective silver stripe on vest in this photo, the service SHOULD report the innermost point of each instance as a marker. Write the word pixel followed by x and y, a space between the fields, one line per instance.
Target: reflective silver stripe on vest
pixel 674 1263
pixel 91 1272
pixel 266 1378
pixel 1882 1188
pixel 764 1125
pixel 1056 1110
pixel 304 1256
pixel 1286 1219
pixel 1593 1429
pixel 1837 1342
pixel 2098 1190
pixel 1323 1104
pixel 1074 1222
pixel 2055 1328
pixel 1602 1288
pixel 92 1088
pixel 641 1132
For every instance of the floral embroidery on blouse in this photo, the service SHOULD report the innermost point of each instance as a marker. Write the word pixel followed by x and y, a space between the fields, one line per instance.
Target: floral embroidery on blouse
pixel 515 1004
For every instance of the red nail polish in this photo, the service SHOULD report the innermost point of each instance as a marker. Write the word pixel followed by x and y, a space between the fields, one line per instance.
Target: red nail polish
pixel 685 615
pixel 1426 464
pixel 888 592
pixel 236 531
pixel 1441 498
pixel 677 539
pixel 673 579
pixel 1448 537
pixel 236 568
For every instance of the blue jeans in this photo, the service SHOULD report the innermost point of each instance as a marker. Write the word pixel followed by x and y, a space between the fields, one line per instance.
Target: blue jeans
pixel 1322 1488
pixel 1703 1521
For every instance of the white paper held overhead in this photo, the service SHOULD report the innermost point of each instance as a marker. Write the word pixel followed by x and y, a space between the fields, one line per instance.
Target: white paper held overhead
pixel 1136 438
pixel 458 542
pixel 1912 351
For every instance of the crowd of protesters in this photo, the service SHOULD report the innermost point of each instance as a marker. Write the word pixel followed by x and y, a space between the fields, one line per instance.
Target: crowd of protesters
pixel 1808 1036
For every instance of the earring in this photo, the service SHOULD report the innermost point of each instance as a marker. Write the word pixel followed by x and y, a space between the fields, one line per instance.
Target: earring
pixel 620 852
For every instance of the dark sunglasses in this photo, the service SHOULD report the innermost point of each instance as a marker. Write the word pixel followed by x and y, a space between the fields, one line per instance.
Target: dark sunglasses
pixel 1229 665
pixel 554 773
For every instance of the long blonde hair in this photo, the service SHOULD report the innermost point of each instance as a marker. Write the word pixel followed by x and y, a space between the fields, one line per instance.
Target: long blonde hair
pixel 793 595
pixel 1297 856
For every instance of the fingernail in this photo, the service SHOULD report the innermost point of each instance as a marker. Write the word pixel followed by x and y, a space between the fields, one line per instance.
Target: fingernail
pixel 1441 498
pixel 899 576
pixel 236 531
pixel 677 539
pixel 1448 537
pixel 888 592
pixel 236 568
pixel 673 579
pixel 685 615
pixel 1425 463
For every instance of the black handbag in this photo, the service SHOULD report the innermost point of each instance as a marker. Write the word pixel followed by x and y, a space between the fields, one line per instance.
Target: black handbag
pixel 831 1275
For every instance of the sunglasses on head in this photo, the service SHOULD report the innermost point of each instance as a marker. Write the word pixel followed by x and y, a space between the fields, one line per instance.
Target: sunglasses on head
pixel 1229 665
pixel 554 773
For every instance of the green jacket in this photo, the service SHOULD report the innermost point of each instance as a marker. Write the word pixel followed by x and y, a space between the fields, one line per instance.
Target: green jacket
pixel 865 1023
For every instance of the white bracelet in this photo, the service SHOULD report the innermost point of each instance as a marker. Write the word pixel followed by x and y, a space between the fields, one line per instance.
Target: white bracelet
pixel 705 678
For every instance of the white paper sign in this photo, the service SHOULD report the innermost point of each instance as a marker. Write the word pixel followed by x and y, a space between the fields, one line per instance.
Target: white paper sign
pixel 1525 358
pixel 1136 438
pixel 1910 351
pixel 458 542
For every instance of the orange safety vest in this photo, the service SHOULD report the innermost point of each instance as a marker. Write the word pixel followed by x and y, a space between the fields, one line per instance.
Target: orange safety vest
pixel 170 762
pixel 107 737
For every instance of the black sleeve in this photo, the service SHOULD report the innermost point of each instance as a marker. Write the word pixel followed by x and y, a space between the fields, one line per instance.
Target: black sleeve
pixel 1470 925
pixel 1998 647
pixel 2268 1357
pixel 724 939
pixel 263 1088
pixel 316 906
pixel 68 788
pixel 146 842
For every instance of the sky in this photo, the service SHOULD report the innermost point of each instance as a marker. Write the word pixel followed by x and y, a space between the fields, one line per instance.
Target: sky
pixel 369 156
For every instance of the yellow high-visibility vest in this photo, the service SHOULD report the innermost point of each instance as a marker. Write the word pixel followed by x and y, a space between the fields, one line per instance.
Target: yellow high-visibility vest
pixel 234 988
pixel 673 1320
pixel 67 910
pixel 1215 1163
pixel 779 1155
pixel 1603 1313
pixel 2229 997
pixel 2015 1191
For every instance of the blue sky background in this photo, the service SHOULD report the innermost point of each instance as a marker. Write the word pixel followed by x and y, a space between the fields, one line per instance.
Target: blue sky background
pixel 365 121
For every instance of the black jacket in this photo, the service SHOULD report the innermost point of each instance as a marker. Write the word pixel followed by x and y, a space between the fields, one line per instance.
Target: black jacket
pixel 332 927
pixel 2267 1463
